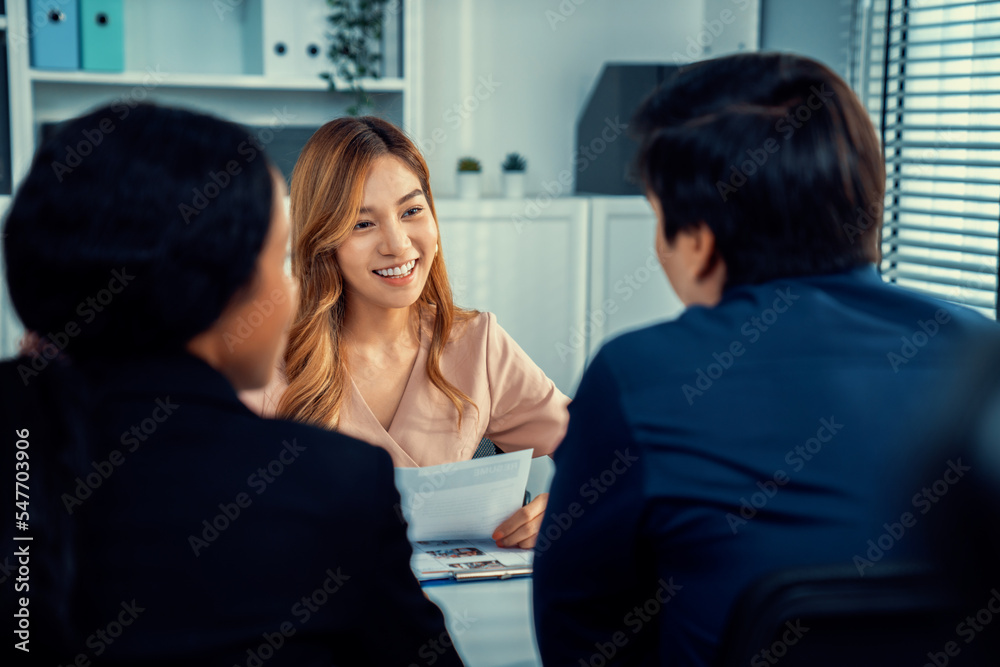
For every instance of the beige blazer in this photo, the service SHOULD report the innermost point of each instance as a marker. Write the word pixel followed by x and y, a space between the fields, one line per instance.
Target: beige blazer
pixel 519 407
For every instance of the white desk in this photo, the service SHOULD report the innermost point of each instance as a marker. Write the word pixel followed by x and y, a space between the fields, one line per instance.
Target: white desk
pixel 490 621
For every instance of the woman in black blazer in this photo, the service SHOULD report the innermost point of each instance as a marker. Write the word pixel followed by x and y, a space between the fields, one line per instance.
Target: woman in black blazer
pixel 168 524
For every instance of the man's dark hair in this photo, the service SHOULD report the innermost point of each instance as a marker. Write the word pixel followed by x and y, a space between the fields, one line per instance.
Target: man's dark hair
pixel 775 154
pixel 138 226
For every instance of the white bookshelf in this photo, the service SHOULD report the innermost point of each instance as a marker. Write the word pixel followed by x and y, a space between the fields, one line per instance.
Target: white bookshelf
pixel 211 61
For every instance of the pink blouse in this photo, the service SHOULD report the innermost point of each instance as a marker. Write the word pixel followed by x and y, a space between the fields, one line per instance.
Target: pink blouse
pixel 519 406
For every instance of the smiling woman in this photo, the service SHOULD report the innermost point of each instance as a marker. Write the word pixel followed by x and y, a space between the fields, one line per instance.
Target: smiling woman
pixel 378 349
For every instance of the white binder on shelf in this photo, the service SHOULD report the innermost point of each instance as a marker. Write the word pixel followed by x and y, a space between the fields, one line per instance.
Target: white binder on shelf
pixel 296 39
pixel 278 19
pixel 313 44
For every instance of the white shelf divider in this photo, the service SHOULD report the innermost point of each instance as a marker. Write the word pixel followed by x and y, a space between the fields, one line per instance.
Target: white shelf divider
pixel 219 81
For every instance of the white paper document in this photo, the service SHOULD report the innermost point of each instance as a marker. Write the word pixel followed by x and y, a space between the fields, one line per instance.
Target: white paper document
pixel 452 510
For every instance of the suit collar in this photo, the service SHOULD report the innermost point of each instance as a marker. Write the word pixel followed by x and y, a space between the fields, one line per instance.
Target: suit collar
pixel 866 273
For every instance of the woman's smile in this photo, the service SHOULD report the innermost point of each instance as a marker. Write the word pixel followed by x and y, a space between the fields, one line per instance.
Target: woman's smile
pixel 400 274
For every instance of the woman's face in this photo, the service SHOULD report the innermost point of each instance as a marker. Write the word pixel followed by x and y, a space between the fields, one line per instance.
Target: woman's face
pixel 387 258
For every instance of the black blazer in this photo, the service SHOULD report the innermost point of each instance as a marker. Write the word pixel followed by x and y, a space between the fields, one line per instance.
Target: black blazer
pixel 207 535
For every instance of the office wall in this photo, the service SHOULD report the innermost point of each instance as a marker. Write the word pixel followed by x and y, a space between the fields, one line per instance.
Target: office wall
pixel 515 75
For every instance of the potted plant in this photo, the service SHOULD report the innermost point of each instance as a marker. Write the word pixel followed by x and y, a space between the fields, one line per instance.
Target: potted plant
pixel 469 172
pixel 513 176
pixel 354 48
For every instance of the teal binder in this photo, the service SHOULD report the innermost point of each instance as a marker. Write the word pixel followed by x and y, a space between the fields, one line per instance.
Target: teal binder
pixel 102 35
pixel 55 34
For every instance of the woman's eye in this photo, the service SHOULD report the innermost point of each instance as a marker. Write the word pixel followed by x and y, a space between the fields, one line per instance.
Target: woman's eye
pixel 364 224
pixel 413 211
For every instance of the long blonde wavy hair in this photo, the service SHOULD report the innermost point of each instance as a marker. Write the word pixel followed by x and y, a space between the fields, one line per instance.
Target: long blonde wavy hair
pixel 327 192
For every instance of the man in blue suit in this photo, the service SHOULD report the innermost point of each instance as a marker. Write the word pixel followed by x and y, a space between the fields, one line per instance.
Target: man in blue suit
pixel 759 430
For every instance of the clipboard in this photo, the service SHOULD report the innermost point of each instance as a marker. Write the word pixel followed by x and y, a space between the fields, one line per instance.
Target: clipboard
pixel 494 575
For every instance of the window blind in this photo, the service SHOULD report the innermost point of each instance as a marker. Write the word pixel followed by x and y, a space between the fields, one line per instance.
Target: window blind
pixel 928 72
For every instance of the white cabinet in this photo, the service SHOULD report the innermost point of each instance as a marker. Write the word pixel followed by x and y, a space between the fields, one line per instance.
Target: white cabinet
pixel 628 288
pixel 562 278
pixel 531 274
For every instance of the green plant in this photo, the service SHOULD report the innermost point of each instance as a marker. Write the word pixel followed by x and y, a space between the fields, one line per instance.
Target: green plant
pixel 514 162
pixel 355 35
pixel 469 164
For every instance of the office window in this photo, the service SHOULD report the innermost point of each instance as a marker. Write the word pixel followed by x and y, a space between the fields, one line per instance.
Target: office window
pixel 929 73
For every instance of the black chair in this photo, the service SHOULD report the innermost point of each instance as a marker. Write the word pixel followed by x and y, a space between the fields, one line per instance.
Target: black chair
pixel 897 614
pixel 486 448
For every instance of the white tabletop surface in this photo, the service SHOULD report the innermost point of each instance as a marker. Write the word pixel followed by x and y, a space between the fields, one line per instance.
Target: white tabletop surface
pixel 489 621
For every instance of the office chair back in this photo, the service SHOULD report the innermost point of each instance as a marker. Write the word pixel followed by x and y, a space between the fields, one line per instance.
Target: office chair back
pixel 486 448
pixel 897 614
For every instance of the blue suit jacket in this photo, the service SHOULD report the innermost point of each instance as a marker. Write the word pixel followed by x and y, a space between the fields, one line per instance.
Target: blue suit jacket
pixel 705 452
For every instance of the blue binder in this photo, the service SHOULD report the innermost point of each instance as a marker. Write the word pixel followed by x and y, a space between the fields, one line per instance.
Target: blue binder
pixel 55 43
pixel 101 35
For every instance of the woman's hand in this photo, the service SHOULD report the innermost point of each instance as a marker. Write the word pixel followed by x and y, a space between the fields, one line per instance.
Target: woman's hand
pixel 521 529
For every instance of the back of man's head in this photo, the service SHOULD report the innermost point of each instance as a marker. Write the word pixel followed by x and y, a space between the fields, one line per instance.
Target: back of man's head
pixel 775 154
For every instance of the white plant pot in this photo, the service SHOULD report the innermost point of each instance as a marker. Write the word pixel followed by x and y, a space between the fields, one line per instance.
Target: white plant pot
pixel 469 184
pixel 513 184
